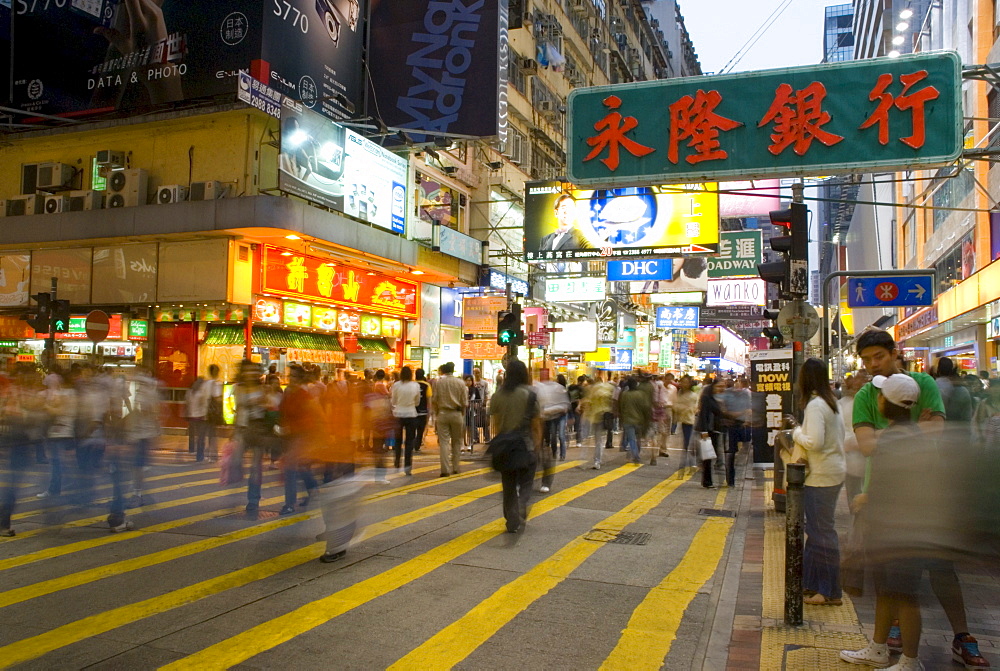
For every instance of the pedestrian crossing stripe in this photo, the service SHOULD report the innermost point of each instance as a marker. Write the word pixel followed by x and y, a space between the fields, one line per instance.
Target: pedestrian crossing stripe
pixel 652 628
pixel 460 639
pixel 35 590
pixel 95 625
pixel 270 634
pixel 154 478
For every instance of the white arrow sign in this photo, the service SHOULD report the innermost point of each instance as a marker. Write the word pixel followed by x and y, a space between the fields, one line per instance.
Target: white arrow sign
pixel 920 290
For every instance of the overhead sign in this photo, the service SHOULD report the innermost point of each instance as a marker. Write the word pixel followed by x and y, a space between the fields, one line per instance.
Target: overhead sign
pixel 482 350
pixel 305 277
pixel 739 254
pixel 575 337
pixel 678 298
pixel 818 119
pixel 499 280
pixel 479 314
pixel 689 274
pixel 439 67
pixel 575 290
pixel 676 317
pixel 727 313
pixel 737 292
pixel 640 269
pixel 332 165
pixel 887 292
pixel 580 224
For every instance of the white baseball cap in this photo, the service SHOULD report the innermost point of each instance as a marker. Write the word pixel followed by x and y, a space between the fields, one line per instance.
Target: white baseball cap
pixel 899 389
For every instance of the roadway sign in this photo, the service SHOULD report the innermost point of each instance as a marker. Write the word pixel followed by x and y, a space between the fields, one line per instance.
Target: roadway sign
pixel 890 291
pixel 98 325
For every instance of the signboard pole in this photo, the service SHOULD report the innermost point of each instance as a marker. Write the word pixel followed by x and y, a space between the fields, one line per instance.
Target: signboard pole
pixel 512 349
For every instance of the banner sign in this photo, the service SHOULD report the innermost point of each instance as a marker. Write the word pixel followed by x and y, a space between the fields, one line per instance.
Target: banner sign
pixel 459 245
pixel 451 307
pixel 576 290
pixel 642 345
pixel 710 316
pixel 482 350
pixel 258 95
pixel 771 382
pixel 676 317
pixel 499 280
pixel 737 292
pixel 304 277
pixel 440 67
pixel 739 254
pixel 813 120
pixel 331 165
pixel 646 269
pixel 600 223
pixel 479 314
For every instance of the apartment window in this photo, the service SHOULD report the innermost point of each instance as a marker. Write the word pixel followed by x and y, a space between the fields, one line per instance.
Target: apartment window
pixel 956 264
pixel 951 193
pixel 516 76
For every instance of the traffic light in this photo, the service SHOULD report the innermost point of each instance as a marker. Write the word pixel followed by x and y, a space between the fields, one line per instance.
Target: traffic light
pixel 791 272
pixel 773 333
pixel 41 318
pixel 509 327
pixel 60 316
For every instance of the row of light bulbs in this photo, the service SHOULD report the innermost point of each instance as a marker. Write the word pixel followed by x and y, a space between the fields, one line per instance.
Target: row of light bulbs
pixel 901 27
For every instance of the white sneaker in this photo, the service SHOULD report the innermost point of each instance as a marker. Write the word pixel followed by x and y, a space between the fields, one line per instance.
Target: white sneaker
pixel 907 664
pixel 543 489
pixel 42 495
pixel 872 654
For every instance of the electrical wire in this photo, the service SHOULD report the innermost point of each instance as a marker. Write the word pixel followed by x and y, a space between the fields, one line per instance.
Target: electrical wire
pixel 753 39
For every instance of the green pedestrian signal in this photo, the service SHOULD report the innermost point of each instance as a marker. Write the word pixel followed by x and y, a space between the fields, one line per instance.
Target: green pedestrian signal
pixel 509 327
pixel 60 316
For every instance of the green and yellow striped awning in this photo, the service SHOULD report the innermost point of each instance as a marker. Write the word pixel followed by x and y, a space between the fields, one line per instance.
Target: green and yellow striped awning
pixel 373 345
pixel 230 334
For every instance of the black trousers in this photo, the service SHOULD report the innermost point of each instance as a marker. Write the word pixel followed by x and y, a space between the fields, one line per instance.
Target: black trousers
pixel 517 495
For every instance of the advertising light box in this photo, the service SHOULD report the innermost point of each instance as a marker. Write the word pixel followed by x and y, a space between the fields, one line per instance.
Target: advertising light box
pixel 575 337
pixel 575 290
pixel 617 223
pixel 332 165
pixel 737 292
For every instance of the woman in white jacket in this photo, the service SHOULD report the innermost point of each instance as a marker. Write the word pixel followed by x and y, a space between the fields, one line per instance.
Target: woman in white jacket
pixel 821 438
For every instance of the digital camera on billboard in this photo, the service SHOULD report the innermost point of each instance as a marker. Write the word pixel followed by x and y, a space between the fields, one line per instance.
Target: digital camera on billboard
pixel 101 12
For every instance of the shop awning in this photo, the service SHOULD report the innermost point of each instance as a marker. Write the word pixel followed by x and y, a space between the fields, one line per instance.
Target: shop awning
pixel 231 334
pixel 373 345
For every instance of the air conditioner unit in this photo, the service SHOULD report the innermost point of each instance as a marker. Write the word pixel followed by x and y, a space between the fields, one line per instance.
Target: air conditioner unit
pixel 22 205
pixel 579 6
pixel 529 66
pixel 114 160
pixel 54 176
pixel 546 106
pixel 56 204
pixel 207 190
pixel 128 188
pixel 82 201
pixel 173 193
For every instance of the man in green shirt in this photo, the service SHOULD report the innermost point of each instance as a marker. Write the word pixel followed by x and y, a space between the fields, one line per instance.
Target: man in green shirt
pixel 878 353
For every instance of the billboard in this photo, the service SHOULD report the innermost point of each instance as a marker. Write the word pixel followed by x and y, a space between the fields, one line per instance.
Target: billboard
pixel 331 165
pixel 575 290
pixel 737 292
pixel 440 67
pixel 690 274
pixel 623 222
pixel 749 199
pixel 739 254
pixel 479 314
pixel 677 317
pixel 125 273
pixel 95 56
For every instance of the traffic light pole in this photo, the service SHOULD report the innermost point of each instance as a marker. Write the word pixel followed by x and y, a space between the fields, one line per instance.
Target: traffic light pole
pixel 49 358
pixel 512 348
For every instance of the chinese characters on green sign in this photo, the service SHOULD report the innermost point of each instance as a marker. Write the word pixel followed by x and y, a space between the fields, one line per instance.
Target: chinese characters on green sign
pixel 739 254
pixel 835 117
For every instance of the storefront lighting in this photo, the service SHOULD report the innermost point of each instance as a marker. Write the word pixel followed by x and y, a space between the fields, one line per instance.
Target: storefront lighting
pixel 292 237
pixel 286 253
pixel 417 272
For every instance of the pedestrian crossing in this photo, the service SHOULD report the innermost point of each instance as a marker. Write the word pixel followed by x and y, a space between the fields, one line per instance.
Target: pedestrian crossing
pixel 201 584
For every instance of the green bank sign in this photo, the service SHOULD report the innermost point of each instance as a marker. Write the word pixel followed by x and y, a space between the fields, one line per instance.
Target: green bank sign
pixel 837 117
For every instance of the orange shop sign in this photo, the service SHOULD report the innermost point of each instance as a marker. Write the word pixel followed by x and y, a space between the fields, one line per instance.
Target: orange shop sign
pixel 482 350
pixel 301 276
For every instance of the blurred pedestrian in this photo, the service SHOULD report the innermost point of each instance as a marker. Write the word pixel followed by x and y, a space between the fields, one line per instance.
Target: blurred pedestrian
pixel 303 431
pixel 597 404
pixel 514 411
pixel 635 411
pixel 821 438
pixel 685 414
pixel 423 408
pixel 252 433
pixel 709 425
pixel 405 397
pixel 450 399
pixel 20 405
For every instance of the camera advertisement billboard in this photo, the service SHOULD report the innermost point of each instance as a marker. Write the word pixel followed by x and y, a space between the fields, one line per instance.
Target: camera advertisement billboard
pixel 667 220
pixel 331 165
pixel 98 56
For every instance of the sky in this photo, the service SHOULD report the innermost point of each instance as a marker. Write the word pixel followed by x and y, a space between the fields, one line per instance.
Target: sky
pixel 795 38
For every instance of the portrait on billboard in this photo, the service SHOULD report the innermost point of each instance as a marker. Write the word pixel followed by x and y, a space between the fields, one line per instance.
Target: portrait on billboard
pixel 571 225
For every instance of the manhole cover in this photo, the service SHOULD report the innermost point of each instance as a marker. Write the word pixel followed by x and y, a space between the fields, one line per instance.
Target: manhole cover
pixel 715 512
pixel 621 537
pixel 259 515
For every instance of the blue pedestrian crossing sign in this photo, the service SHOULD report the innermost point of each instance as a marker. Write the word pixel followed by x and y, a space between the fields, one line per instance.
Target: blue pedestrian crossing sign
pixel 890 291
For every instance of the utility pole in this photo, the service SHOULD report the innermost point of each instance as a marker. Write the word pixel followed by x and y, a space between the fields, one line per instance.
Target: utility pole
pixel 798 266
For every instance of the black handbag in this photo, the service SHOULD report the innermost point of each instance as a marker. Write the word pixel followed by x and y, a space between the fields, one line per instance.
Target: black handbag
pixel 509 451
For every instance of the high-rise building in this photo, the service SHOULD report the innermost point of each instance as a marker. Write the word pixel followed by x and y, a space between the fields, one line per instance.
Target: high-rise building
pixel 882 27
pixel 838 33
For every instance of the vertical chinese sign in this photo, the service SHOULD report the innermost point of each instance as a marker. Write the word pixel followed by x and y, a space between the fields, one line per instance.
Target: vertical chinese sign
pixel 822 119
pixel 771 384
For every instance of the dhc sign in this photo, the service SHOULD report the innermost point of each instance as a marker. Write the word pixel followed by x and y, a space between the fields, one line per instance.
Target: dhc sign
pixel 650 269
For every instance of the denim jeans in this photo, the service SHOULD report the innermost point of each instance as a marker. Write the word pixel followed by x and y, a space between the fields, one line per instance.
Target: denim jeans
pixel 562 437
pixel 406 430
pixel 293 471
pixel 821 556
pixel 56 448
pixel 632 441
pixel 516 496
pixel 20 452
